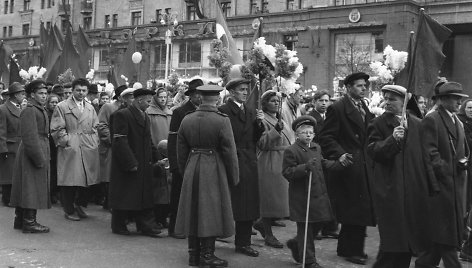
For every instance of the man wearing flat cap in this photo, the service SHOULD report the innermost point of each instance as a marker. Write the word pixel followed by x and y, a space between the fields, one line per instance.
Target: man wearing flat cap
pixel 344 138
pixel 247 126
pixel 10 136
pixel 131 169
pixel 447 158
pixel 177 117
pixel 209 164
pixel 400 188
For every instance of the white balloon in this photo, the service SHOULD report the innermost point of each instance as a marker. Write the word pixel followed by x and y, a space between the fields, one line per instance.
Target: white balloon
pixel 136 57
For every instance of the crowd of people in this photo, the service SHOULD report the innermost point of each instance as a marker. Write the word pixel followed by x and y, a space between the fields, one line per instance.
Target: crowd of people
pixel 207 166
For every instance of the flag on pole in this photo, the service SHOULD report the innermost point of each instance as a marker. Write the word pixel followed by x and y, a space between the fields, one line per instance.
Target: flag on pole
pixel 52 55
pixel 70 58
pixel 223 33
pixel 427 57
pixel 14 72
pixel 84 49
pixel 127 67
pixel 43 39
pixel 5 53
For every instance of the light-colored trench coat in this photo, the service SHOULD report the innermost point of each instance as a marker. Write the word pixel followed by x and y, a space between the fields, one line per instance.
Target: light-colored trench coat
pixel 75 134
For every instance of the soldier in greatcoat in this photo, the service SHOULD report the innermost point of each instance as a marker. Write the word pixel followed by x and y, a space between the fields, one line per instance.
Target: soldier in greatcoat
pixel 74 129
pixel 131 170
pixel 9 136
pixel 209 164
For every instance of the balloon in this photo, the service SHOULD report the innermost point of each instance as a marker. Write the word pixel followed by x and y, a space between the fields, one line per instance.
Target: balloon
pixel 136 57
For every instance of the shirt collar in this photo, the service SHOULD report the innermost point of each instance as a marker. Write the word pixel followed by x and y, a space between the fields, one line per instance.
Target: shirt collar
pixel 77 102
pixel 15 104
pixel 237 103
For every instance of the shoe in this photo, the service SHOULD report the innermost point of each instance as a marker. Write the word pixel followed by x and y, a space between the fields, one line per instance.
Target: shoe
pixel 18 222
pixel 260 228
pixel 465 257
pixel 177 236
pixel 247 250
pixel 319 237
pixel 121 232
pixel 253 232
pixel 80 212
pixel 72 217
pixel 271 241
pixel 356 259
pixel 29 222
pixel 278 224
pixel 293 246
pixel 313 265
pixel 152 233
pixel 333 235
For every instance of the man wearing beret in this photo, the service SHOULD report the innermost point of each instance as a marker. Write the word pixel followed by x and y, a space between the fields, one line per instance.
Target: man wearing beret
pixel 400 188
pixel 10 136
pixel 74 130
pixel 177 117
pixel 247 126
pixel 447 158
pixel 344 138
pixel 131 170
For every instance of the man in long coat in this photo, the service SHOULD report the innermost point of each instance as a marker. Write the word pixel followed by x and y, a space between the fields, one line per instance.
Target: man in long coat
pixel 400 190
pixel 10 137
pixel 446 153
pixel 74 129
pixel 344 137
pixel 131 170
pixel 247 129
pixel 208 161
pixel 177 117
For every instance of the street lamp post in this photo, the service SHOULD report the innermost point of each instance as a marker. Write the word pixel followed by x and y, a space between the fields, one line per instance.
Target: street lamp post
pixel 169 20
pixel 168 47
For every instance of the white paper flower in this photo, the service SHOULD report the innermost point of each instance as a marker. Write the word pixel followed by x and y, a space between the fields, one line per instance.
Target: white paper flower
pixel 33 71
pixel 41 72
pixel 24 74
pixel 268 50
pixel 89 76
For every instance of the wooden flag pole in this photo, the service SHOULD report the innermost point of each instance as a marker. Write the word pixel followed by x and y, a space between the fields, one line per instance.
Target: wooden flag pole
pixel 306 217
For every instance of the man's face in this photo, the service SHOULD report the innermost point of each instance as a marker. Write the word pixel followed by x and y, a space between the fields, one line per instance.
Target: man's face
pixel 67 92
pixel 322 103
pixel 196 98
pixel 358 89
pixel 161 98
pixel 127 99
pixel 19 97
pixel 422 104
pixel 451 103
pixel 144 102
pixel 239 93
pixel 80 92
pixel 393 103
pixel 297 97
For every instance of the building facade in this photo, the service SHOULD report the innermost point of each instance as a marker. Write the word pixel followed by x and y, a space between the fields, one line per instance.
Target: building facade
pixel 332 37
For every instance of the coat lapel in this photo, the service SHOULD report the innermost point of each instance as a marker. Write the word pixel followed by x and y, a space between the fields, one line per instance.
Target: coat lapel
pixel 353 114
pixel 86 113
pixel 450 126
pixel 137 115
pixel 13 109
pixel 74 108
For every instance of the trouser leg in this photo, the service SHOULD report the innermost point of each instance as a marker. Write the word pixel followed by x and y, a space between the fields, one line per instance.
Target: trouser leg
pixel 68 198
pixel 18 222
pixel 118 220
pixel 145 221
pixel 351 240
pixel 449 256
pixel 83 196
pixel 193 250
pixel 6 193
pixel 243 233
pixel 176 186
pixel 392 260
pixel 429 258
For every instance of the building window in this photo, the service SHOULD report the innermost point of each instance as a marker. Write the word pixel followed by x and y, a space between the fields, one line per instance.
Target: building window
pixel 43 4
pixel 26 5
pixel 87 22
pixel 190 54
pixel 290 41
pixel 5 7
pixel 5 31
pixel 12 6
pixel 160 51
pixel 265 7
pixel 104 57
pixel 26 29
pixel 135 18
pixel 158 15
pixel 254 8
pixel 379 42
pixel 10 31
pixel 48 25
pixel 191 12
pixel 107 21
pixel 114 23
pixel 291 5
pixel 50 2
pixel 226 7
pixel 167 10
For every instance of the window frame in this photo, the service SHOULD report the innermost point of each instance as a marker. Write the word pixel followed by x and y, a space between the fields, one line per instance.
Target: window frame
pixel 136 20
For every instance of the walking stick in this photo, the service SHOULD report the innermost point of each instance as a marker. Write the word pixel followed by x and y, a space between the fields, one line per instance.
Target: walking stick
pixel 306 218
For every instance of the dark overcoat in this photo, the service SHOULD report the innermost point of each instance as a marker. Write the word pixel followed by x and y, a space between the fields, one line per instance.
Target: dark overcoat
pixel 31 188
pixel 295 170
pixel 344 131
pixel 400 190
pixel 131 147
pixel 209 164
pixel 104 147
pixel 443 145
pixel 9 139
pixel 319 123
pixel 246 131
pixel 175 121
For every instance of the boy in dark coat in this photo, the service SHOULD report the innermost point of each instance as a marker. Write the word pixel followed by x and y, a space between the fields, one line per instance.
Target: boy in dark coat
pixel 301 158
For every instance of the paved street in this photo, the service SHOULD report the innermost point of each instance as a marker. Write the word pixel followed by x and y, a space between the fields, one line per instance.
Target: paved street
pixel 90 243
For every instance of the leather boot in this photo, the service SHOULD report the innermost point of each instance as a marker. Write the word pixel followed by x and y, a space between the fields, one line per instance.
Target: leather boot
pixel 207 254
pixel 18 223
pixel 29 222
pixel 193 251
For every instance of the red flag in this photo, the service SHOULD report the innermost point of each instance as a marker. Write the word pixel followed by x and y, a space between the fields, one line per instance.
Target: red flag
pixel 402 77
pixel 70 58
pixel 14 72
pixel 44 38
pixel 5 53
pixel 84 49
pixel 59 35
pixel 427 56
pixel 223 33
pixel 127 67
pixel 52 56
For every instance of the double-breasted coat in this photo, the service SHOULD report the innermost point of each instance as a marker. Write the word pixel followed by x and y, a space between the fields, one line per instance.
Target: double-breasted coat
pixel 400 191
pixel 9 139
pixel 246 131
pixel 75 134
pixel 297 172
pixel 209 164
pixel 104 148
pixel 131 147
pixel 31 188
pixel 444 144
pixel 345 131
pixel 273 187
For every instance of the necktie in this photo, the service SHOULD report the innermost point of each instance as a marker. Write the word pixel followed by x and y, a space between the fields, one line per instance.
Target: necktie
pixel 361 110
pixel 242 108
pixel 81 106
pixel 323 116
